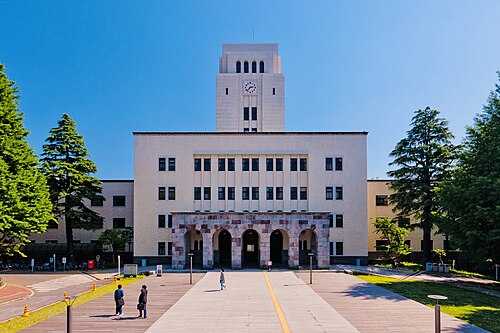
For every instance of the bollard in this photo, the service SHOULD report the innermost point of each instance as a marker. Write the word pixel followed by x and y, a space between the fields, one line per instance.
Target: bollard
pixel 116 279
pixel 26 312
pixel 65 294
pixel 310 268
pixel 94 287
pixel 437 312
pixel 190 268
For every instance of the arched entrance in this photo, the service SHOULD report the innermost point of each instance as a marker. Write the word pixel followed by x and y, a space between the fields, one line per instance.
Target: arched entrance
pixel 279 248
pixel 308 244
pixel 193 243
pixel 222 249
pixel 250 250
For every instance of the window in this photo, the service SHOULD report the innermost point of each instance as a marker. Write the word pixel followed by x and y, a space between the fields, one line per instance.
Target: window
pixel 303 193
pixel 238 67
pixel 329 193
pixel 293 164
pixel 118 201
pixel 261 65
pixel 171 164
pixel 338 163
pixel 171 193
pixel 293 193
pixel 197 193
pixel 206 193
pixel 279 164
pixel 339 193
pixel 403 222
pixel 339 221
pixel 246 130
pixel 328 164
pixel 254 67
pixel 381 200
pixel 254 113
pixel 245 164
pixel 227 91
pixel 330 220
pixel 274 91
pixel 221 193
pixel 269 193
pixel 279 193
pixel 269 164
pixel 246 113
pixel 161 193
pixel 169 248
pixel 161 221
pixel 254 130
pixel 207 163
pixel 222 164
pixel 52 225
pixel 255 193
pixel 161 248
pixel 197 164
pixel 245 66
pixel 331 248
pixel 169 225
pixel 161 164
pixel 255 164
pixel 230 164
pixel 245 193
pixel 98 201
pixel 303 164
pixel 339 248
pixel 380 245
pixel 230 193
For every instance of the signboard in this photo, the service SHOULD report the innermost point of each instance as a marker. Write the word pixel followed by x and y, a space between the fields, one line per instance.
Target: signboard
pixel 32 262
pixel 159 270
pixel 63 260
pixel 97 257
pixel 269 263
pixel 51 260
pixel 130 270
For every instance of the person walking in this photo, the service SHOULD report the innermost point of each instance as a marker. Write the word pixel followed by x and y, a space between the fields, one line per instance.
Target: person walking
pixel 119 301
pixel 143 300
pixel 222 279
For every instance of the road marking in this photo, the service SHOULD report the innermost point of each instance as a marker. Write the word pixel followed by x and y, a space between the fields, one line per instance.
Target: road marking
pixel 60 283
pixel 281 316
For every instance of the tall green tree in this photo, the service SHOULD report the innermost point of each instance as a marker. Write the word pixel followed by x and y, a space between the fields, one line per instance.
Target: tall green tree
pixel 394 246
pixel 25 206
pixel 472 198
pixel 116 239
pixel 423 160
pixel 68 169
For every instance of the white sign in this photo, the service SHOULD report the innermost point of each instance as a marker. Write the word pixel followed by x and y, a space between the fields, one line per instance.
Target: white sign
pixel 159 270
pixel 63 260
pixel 32 262
pixel 97 257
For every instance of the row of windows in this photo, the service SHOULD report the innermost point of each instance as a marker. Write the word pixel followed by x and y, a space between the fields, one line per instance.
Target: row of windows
pixel 381 200
pixel 246 67
pixel 162 218
pixel 339 248
pixel 161 248
pixel 272 164
pixel 118 201
pixel 271 193
pixel 162 193
pixel 338 219
pixel 329 164
pixel 162 164
pixel 246 113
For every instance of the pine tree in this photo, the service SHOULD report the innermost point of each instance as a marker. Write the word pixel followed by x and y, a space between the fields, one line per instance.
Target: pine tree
pixel 25 206
pixel 68 169
pixel 424 160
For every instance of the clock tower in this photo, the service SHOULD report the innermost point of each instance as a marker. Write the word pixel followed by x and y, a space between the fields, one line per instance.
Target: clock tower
pixel 250 89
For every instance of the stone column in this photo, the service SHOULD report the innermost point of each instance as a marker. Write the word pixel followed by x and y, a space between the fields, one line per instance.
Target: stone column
pixel 208 250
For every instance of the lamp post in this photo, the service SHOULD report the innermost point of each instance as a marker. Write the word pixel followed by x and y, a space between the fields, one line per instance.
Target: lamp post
pixel 190 268
pixel 310 254
pixel 437 312
pixel 69 300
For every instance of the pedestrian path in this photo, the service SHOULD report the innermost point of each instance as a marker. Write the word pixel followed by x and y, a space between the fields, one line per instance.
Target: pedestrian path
pixel 59 283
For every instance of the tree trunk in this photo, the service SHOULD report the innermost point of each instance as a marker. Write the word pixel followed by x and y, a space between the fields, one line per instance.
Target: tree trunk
pixel 426 244
pixel 70 248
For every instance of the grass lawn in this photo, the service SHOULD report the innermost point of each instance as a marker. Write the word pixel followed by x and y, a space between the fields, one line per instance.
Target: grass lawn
pixel 473 307
pixel 19 323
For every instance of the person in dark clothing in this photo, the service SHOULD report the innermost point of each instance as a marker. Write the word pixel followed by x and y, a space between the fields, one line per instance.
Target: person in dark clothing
pixel 143 300
pixel 119 301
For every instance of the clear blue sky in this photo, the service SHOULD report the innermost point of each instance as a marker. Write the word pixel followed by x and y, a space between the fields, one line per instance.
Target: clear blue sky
pixel 123 66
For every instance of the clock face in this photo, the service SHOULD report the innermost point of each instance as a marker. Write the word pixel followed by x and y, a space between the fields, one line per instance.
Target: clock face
pixel 250 87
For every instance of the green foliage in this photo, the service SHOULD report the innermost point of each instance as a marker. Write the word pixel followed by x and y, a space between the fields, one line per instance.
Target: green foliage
pixel 68 169
pixel 441 254
pixel 394 236
pixel 116 238
pixel 472 199
pixel 423 160
pixel 25 207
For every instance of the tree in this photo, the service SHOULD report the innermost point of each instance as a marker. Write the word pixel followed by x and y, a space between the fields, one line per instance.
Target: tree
pixel 394 237
pixel 68 170
pixel 471 200
pixel 25 206
pixel 116 239
pixel 424 160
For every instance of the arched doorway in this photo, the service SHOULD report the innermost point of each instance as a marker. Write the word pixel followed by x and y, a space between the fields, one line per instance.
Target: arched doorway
pixel 250 250
pixel 193 243
pixel 307 244
pixel 279 248
pixel 224 248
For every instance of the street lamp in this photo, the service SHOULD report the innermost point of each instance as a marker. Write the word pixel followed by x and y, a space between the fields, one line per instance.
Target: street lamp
pixel 69 300
pixel 190 268
pixel 437 312
pixel 310 254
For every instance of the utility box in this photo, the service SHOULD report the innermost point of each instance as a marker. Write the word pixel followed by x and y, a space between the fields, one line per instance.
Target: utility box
pixel 130 270
pixel 428 267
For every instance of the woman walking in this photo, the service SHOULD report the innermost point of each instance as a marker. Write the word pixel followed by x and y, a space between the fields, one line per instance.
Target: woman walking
pixel 143 300
pixel 222 279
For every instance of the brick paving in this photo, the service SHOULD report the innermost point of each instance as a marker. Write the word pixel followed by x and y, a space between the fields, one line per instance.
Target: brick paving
pixel 12 292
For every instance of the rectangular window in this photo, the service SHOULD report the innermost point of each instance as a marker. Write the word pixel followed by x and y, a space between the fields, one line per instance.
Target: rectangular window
pixel 245 193
pixel 339 221
pixel 380 245
pixel 381 200
pixel 171 164
pixel 221 193
pixel 339 248
pixel 161 193
pixel 293 193
pixel 279 164
pixel 230 193
pixel 246 130
pixel 227 91
pixel 274 91
pixel 171 193
pixel 403 222
pixel 169 225
pixel 207 164
pixel 162 164
pixel 330 220
pixel 338 163
pixel 118 201
pixel 329 193
pixel 279 193
pixel 246 113
pixel 254 113
pixel 328 164
pixel 97 202
pixel 230 164
pixel 254 130
pixel 206 193
pixel 293 164
pixel 339 193
pixel 51 225
pixel 303 193
pixel 222 164
pixel 269 164
pixel 161 221
pixel 197 164
pixel 161 248
pixel 118 222
pixel 269 193
pixel 197 193
pixel 245 164
pixel 255 164
pixel 255 193
pixel 303 164
pixel 169 248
